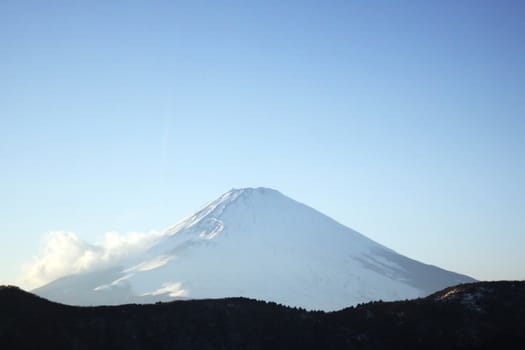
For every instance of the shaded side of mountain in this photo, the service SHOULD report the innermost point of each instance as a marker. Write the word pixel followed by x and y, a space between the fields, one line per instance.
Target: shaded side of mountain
pixel 483 315
pixel 427 278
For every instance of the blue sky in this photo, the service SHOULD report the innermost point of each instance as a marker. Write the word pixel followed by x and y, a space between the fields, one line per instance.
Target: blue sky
pixel 404 120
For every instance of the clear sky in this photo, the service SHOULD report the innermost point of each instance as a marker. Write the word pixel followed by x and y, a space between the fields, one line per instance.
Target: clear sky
pixel 404 120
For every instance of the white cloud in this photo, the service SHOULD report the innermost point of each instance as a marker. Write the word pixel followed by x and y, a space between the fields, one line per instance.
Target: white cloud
pixel 65 253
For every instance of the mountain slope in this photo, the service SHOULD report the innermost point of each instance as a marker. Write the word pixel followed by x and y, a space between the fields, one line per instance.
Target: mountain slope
pixel 260 244
pixel 487 315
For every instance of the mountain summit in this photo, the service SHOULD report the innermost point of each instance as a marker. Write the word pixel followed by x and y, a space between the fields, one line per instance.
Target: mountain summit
pixel 258 243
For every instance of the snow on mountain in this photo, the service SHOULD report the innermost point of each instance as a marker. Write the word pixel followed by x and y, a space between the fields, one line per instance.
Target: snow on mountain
pixel 260 244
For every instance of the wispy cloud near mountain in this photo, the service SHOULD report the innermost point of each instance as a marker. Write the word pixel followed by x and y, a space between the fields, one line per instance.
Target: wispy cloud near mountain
pixel 65 253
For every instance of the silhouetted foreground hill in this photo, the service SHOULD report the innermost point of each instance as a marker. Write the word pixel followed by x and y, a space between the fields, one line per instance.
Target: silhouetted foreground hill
pixel 486 315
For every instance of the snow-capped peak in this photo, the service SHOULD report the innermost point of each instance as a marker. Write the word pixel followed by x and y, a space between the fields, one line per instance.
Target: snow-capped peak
pixel 207 218
pixel 258 243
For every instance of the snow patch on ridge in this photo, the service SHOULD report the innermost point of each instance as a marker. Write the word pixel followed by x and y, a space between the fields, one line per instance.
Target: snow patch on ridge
pixel 116 282
pixel 174 290
pixel 152 264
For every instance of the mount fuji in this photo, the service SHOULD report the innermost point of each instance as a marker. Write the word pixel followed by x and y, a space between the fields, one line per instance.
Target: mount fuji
pixel 258 243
